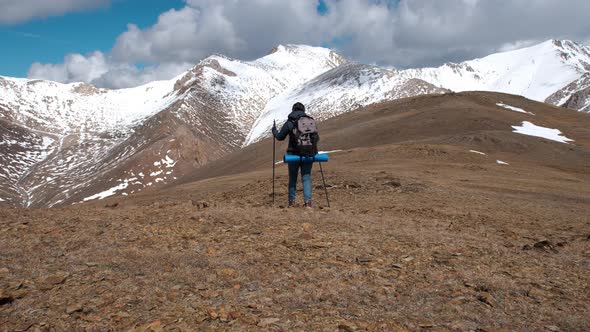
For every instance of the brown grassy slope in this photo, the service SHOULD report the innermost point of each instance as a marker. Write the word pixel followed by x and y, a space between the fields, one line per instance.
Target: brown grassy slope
pixel 469 119
pixel 420 236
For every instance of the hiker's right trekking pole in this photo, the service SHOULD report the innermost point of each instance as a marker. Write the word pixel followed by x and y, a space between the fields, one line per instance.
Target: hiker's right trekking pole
pixel 274 140
pixel 325 188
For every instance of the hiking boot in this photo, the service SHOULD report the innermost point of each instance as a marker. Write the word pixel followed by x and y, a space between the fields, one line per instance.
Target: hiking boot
pixel 291 204
pixel 308 204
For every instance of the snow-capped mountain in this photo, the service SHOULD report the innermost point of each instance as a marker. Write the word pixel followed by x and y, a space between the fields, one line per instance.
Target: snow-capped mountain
pixel 67 143
pixel 554 71
pixel 340 90
pixel 72 142
pixel 535 72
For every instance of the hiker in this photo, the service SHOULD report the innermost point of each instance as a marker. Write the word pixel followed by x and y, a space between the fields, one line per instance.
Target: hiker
pixel 290 127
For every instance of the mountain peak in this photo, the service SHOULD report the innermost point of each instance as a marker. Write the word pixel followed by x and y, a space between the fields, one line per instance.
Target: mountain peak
pixel 275 49
pixel 559 45
pixel 289 48
pixel 565 43
pixel 572 47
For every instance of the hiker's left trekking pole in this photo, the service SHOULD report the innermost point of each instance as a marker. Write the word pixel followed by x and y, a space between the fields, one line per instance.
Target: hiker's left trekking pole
pixel 274 140
pixel 325 188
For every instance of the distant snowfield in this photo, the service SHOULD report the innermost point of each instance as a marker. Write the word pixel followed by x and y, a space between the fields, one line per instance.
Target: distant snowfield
pixel 512 108
pixel 527 128
pixel 502 162
pixel 165 167
pixel 535 72
pixel 67 108
pixel 107 193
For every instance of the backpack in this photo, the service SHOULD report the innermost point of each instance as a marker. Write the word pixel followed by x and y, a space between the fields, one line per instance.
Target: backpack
pixel 305 133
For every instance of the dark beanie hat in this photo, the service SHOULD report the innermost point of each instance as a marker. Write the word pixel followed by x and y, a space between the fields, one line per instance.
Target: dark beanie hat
pixel 298 107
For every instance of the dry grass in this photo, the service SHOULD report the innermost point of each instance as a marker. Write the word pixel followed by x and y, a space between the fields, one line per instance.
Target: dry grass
pixel 402 248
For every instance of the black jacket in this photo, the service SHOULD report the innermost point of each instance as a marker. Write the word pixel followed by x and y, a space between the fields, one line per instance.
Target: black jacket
pixel 287 129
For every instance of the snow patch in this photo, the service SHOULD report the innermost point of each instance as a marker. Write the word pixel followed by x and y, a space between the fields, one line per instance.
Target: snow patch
pixel 107 193
pixel 527 128
pixel 502 162
pixel 166 162
pixel 169 162
pixel 512 108
pixel 474 151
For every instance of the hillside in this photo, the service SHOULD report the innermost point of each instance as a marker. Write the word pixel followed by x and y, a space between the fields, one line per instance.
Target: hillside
pixel 443 217
pixel 69 143
pixel 473 120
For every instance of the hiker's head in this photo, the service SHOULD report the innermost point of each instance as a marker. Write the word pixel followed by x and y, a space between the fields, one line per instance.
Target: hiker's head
pixel 298 107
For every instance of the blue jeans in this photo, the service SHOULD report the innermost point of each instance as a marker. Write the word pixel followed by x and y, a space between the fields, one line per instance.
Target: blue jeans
pixel 305 178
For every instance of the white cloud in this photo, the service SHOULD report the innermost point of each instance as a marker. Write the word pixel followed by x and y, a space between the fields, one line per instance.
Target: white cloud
pixel 242 29
pixel 411 33
pixel 76 68
pixel 429 32
pixel 124 76
pixel 98 69
pixel 518 45
pixel 17 11
pixel 179 35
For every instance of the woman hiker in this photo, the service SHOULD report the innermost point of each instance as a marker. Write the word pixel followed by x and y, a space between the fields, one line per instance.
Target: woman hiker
pixel 288 128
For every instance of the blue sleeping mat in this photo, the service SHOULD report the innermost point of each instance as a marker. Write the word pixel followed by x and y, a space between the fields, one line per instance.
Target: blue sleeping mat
pixel 320 158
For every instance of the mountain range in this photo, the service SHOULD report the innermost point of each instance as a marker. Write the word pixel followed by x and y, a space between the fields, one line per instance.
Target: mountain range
pixel 70 143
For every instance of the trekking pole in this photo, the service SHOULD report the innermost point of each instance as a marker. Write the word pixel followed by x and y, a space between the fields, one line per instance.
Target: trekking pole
pixel 324 181
pixel 274 140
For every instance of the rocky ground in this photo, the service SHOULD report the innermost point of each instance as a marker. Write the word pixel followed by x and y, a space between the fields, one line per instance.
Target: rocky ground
pixel 422 234
pixel 429 237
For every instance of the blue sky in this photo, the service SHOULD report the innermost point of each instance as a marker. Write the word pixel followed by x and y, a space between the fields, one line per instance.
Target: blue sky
pixel 48 40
